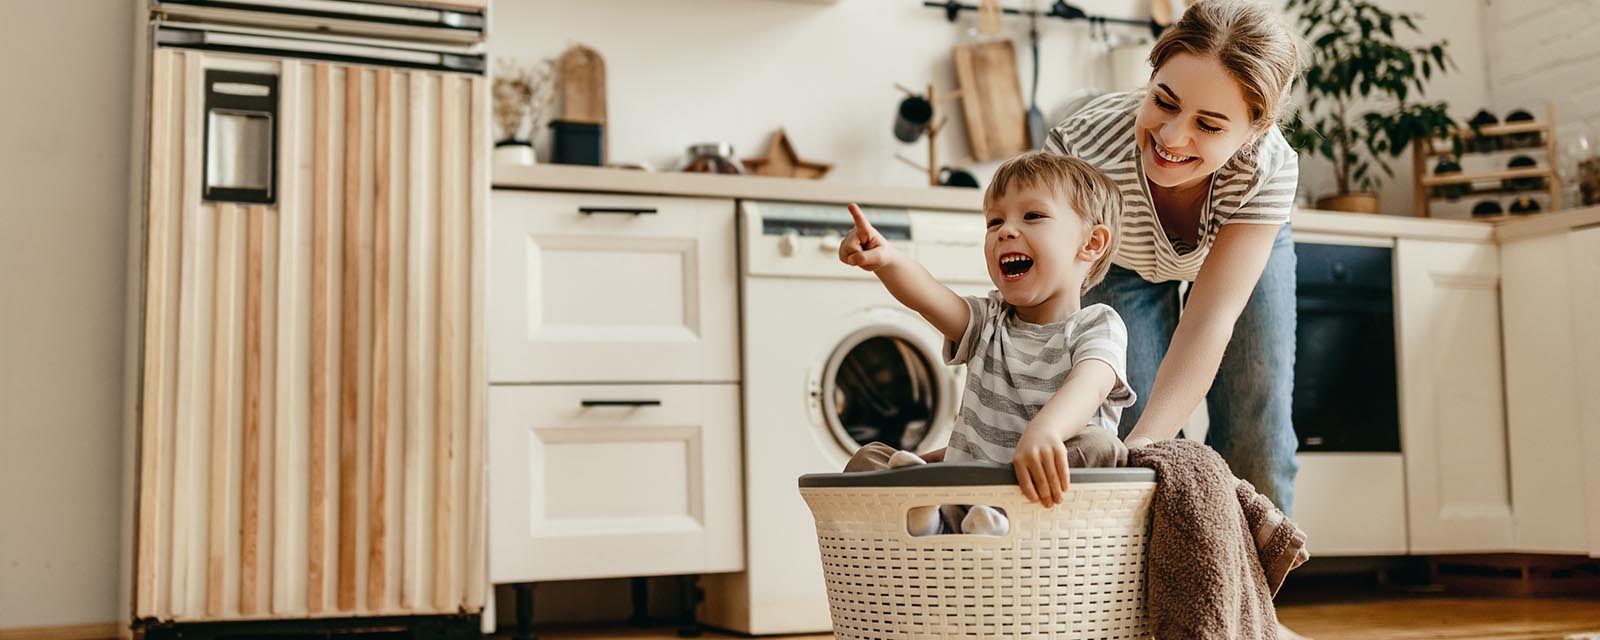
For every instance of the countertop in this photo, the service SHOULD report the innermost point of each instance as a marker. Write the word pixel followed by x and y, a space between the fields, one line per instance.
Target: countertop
pixel 549 177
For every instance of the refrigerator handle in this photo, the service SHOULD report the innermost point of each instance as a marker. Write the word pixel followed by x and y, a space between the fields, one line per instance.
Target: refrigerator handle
pixel 241 137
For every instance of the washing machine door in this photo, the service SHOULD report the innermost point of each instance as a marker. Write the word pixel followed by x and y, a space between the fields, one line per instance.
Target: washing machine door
pixel 884 381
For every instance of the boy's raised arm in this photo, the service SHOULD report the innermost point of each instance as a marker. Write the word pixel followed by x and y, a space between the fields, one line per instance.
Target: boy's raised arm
pixel 908 281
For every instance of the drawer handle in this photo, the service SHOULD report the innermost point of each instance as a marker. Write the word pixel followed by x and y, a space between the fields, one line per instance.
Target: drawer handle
pixel 633 211
pixel 621 403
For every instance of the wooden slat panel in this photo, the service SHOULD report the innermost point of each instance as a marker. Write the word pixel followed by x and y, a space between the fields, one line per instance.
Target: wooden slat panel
pixel 399 263
pixel 322 167
pixel 476 225
pixel 377 519
pixel 349 328
pixel 420 356
pixel 250 440
pixel 449 348
pixel 291 413
pixel 189 433
pixel 159 326
pixel 224 388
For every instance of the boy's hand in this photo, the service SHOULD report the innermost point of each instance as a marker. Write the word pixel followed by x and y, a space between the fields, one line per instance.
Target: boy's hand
pixel 1041 465
pixel 864 247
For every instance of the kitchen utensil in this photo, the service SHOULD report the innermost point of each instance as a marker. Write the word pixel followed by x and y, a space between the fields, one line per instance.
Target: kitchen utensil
pixel 989 14
pixel 950 177
pixel 577 143
pixel 583 89
pixel 712 157
pixel 1161 12
pixel 1036 125
pixel 911 119
pixel 991 99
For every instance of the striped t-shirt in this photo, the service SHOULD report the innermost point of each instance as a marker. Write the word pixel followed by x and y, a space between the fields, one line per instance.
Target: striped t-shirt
pixel 1014 367
pixel 1253 188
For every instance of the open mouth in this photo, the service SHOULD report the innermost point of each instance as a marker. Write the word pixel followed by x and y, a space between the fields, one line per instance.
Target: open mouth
pixel 1166 158
pixel 1014 265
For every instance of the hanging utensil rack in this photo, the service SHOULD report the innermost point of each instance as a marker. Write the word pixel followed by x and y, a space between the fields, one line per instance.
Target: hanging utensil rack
pixel 1059 9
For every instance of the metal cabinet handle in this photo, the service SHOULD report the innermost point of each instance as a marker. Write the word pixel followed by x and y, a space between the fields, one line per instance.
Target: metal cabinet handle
pixel 633 211
pixel 621 403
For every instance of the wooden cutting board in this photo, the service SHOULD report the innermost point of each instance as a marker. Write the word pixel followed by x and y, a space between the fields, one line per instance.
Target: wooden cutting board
pixel 583 85
pixel 991 99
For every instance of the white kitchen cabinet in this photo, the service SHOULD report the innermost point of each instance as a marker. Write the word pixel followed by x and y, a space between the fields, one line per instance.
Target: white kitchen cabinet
pixel 614 480
pixel 1352 503
pixel 1543 289
pixel 1584 247
pixel 1452 397
pixel 610 288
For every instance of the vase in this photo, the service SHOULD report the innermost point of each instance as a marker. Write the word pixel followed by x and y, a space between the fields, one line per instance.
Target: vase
pixel 515 152
pixel 1351 202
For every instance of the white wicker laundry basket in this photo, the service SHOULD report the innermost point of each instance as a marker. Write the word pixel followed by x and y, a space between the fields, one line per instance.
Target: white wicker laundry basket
pixel 1075 571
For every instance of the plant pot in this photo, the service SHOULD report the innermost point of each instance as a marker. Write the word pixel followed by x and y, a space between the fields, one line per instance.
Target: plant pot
pixel 1351 202
pixel 518 152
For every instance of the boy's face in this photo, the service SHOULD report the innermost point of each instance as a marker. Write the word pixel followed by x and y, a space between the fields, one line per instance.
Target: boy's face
pixel 1034 246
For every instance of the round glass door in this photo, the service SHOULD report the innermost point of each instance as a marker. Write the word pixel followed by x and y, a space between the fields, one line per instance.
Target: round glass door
pixel 880 387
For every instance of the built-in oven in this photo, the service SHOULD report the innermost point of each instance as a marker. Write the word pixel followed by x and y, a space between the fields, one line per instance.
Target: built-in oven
pixel 1345 396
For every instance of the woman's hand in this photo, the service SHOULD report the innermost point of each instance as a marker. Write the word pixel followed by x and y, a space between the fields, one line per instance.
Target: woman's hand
pixel 1135 442
pixel 864 247
pixel 1041 465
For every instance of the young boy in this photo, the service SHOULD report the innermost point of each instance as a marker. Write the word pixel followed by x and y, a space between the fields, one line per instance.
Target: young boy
pixel 1045 376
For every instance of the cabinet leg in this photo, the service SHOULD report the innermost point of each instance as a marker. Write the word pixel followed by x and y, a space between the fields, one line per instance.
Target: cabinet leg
pixel 524 612
pixel 688 625
pixel 641 603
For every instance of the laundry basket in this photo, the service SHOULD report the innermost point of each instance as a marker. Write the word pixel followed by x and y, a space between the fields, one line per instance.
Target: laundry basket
pixel 1074 571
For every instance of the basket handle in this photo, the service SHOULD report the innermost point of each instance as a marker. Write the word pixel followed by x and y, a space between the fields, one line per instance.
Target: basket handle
pixel 961 474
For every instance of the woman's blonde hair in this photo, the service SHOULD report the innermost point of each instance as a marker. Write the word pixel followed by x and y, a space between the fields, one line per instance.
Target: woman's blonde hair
pixel 1093 196
pixel 1251 41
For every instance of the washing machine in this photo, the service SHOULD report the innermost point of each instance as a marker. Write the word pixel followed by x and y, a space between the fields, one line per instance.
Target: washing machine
pixel 831 362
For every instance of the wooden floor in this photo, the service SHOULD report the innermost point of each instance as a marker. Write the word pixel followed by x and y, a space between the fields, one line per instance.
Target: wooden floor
pixel 1383 617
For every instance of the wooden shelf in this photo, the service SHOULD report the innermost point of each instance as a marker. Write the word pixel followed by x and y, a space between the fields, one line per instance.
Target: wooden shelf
pixel 1495 130
pixel 1438 150
pixel 1508 174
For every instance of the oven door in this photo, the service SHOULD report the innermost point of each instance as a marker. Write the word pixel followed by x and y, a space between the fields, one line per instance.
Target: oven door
pixel 1344 375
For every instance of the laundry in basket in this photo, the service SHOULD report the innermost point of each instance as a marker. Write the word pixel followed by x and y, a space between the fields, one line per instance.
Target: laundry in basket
pixel 1073 571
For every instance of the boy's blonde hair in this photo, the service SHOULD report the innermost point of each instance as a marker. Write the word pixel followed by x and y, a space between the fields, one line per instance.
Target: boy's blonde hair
pixel 1250 40
pixel 1092 195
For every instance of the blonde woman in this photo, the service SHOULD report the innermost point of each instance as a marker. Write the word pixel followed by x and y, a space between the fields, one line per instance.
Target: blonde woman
pixel 1208 183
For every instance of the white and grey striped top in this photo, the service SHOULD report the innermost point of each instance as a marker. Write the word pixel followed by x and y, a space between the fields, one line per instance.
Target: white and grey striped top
pixel 1258 189
pixel 1014 367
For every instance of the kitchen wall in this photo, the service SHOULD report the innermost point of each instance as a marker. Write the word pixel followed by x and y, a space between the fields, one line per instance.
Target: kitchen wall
pixel 680 72
pixel 1544 51
pixel 64 166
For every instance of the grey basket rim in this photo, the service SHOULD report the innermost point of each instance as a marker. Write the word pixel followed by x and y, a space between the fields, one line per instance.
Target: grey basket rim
pixel 961 474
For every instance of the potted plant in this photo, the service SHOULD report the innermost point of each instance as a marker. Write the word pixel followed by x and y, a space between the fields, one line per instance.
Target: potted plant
pixel 522 100
pixel 1356 61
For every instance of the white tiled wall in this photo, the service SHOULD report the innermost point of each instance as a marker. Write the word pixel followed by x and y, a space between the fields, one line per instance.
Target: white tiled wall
pixel 1545 50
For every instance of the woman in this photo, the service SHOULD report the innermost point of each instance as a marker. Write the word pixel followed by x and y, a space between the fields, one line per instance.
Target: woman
pixel 1208 182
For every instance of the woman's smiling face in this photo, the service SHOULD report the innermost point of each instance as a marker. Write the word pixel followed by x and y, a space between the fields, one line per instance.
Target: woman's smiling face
pixel 1193 120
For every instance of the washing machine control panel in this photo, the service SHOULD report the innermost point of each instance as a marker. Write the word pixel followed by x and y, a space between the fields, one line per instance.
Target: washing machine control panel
pixel 798 239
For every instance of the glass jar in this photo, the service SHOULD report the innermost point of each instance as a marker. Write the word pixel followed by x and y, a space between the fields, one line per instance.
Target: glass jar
pixel 713 157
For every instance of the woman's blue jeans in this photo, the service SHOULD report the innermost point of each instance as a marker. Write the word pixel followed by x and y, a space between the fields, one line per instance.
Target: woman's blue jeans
pixel 1250 403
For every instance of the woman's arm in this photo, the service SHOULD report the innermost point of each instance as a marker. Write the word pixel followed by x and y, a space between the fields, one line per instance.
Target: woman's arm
pixel 1218 296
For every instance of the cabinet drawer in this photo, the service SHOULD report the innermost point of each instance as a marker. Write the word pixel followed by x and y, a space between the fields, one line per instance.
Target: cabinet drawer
pixel 613 480
pixel 608 288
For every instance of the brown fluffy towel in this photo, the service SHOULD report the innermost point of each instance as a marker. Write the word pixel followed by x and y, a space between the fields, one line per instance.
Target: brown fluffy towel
pixel 1218 550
